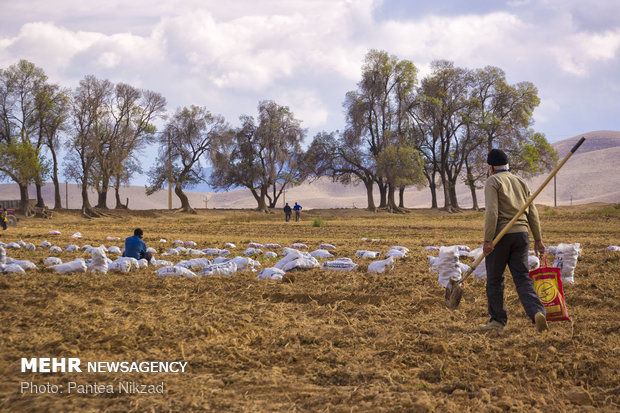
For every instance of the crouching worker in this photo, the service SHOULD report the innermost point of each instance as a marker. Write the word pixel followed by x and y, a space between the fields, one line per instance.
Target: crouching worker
pixel 505 194
pixel 135 247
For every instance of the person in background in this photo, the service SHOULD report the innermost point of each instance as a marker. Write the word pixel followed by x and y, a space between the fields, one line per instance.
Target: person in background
pixel 297 209
pixel 505 194
pixel 135 247
pixel 287 212
pixel 3 218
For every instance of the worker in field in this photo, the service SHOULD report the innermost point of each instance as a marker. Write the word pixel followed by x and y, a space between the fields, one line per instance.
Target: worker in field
pixel 135 247
pixel 505 194
pixel 3 218
pixel 297 209
pixel 287 212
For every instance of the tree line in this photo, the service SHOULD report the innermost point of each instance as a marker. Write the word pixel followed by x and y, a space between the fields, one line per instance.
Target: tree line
pixel 400 131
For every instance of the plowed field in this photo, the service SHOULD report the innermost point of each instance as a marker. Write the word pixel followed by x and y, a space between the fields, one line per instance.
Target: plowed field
pixel 324 340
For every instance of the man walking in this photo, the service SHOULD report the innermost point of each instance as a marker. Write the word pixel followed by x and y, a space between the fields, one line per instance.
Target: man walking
pixel 297 209
pixel 287 212
pixel 3 218
pixel 505 194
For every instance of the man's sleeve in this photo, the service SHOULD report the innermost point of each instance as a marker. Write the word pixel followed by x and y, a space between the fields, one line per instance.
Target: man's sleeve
pixel 491 201
pixel 533 220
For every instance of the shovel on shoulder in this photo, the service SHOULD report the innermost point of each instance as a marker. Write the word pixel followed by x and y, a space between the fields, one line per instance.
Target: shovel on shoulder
pixel 454 290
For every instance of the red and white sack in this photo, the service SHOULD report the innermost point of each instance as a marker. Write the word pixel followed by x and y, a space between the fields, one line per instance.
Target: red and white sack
pixel 272 246
pixel 299 246
pixel 255 245
pixel 326 246
pixel 548 285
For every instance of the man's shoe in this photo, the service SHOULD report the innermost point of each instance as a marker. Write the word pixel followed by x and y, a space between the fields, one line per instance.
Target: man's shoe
pixel 492 325
pixel 541 322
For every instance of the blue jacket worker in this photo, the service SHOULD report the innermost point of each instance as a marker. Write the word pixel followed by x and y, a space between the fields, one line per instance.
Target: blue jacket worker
pixel 297 209
pixel 135 247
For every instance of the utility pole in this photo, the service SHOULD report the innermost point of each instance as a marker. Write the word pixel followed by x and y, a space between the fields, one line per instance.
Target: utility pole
pixel 555 199
pixel 169 175
pixel 66 194
pixel 206 199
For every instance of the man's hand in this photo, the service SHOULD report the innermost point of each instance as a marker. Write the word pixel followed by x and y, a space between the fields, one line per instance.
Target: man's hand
pixel 487 247
pixel 539 247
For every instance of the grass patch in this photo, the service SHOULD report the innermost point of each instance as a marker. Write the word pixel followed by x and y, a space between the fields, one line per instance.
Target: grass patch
pixel 318 222
pixel 607 210
pixel 550 212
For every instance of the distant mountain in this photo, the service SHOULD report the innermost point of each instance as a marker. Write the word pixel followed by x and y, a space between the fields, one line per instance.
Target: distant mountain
pixel 588 176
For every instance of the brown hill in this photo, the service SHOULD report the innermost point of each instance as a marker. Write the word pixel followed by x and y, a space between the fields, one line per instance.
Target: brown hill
pixel 587 177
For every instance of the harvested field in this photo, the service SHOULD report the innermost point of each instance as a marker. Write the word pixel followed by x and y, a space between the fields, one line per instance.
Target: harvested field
pixel 326 341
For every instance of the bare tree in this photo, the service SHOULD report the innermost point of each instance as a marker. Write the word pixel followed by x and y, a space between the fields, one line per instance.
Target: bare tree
pixel 190 136
pixel 88 112
pixel 263 156
pixel 53 104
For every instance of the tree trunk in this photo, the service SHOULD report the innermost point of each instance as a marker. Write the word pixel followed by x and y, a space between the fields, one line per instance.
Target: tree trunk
pixel 391 204
pixel 40 201
pixel 117 195
pixel 453 198
pixel 370 196
pixel 185 206
pixel 401 197
pixel 383 201
pixel 102 196
pixel 24 203
pixel 85 201
pixel 447 200
pixel 472 187
pixel 57 199
pixel 433 188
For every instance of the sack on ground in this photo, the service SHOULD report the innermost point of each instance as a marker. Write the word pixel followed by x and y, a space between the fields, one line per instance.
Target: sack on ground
pixel 226 268
pixel 195 264
pixel 11 269
pixel 78 265
pixel 302 263
pixel 321 253
pixel 114 250
pixel 100 261
pixel 245 263
pixel 326 246
pixel 395 254
pixel 340 264
pixel 548 286
pixel 173 271
pixel 271 273
pixel 26 265
pixel 52 261
pixel 379 267
pixel 252 252
pixel 566 260
pixel 366 254
pixel 448 265
pixel 271 254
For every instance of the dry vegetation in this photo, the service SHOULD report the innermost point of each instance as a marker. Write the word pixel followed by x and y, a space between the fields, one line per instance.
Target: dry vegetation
pixel 327 341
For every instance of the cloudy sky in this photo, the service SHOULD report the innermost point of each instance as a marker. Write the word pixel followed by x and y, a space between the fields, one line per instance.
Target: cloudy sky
pixel 306 54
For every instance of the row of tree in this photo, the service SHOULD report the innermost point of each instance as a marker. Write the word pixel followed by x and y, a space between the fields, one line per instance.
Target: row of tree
pixel 399 132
